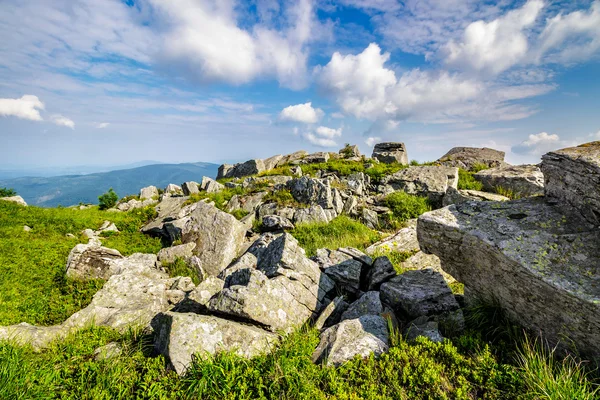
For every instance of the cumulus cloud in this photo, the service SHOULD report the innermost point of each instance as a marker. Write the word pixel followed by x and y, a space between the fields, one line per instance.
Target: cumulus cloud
pixel 63 121
pixel 539 144
pixel 205 42
pixel 372 141
pixel 102 125
pixel 304 113
pixel 323 136
pixel 329 133
pixel 497 45
pixel 27 107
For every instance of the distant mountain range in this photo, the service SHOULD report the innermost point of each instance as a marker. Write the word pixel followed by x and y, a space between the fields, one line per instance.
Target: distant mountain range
pixel 13 171
pixel 74 189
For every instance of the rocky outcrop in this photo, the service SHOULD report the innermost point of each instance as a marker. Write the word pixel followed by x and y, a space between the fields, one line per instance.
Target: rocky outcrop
pixel 350 151
pixel 15 199
pixel 404 240
pixel 432 182
pixel 389 153
pixel 522 180
pixel 190 188
pixel 210 185
pixel 454 196
pixel 367 304
pixel 92 261
pixel 573 178
pixel 469 157
pixel 331 314
pixel 248 203
pixel 171 254
pixel 179 336
pixel 168 210
pixel 149 193
pixel 274 223
pixel 538 261
pixel 311 191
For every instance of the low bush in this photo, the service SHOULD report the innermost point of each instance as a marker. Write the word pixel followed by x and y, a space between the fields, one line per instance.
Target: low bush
pixel 107 200
pixel 466 181
pixel 6 192
pixel 405 206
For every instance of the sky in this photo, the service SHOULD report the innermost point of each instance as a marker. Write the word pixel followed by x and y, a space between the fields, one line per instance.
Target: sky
pixel 100 82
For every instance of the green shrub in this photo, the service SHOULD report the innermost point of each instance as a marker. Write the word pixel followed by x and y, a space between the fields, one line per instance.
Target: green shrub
pixel 405 206
pixel 283 170
pixel 180 268
pixel 478 167
pixel 282 197
pixel 107 200
pixel 239 213
pixel 340 232
pixel 511 194
pixel 466 181
pixel 6 192
pixel 340 167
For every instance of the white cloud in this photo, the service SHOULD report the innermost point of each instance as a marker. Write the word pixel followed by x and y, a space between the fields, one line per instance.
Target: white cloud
pixel 304 113
pixel 27 107
pixel 102 125
pixel 319 141
pixel 495 46
pixel 329 133
pixel 372 141
pixel 323 136
pixel 539 144
pixel 63 121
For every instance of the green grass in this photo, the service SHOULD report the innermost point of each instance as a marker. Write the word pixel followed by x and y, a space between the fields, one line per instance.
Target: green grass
pixel 404 206
pixel 180 268
pixel 283 198
pixel 466 181
pixel 340 232
pixel 33 287
pixel 511 194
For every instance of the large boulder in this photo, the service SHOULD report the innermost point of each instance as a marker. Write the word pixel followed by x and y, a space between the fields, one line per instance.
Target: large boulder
pixel 314 213
pixel 537 261
pixel 389 153
pixel 171 254
pixel 469 157
pixel 149 193
pixel 190 188
pixel 209 185
pixel 573 178
pixel 248 203
pixel 404 240
pixel 432 182
pixel 168 210
pixel 353 337
pixel 92 261
pixel 180 336
pixel 454 196
pixel 522 180
pixel 311 191
pixel 15 199
pixel 250 167
pixel 368 304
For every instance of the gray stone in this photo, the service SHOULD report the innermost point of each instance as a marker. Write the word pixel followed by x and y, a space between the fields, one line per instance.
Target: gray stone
pixel 368 304
pixel 454 196
pixel 313 213
pixel 320 157
pixel 357 255
pixel 272 162
pixel 389 153
pixel 197 300
pixel 331 314
pixel 250 167
pixel 190 188
pixel 354 337
pixel 15 199
pixel 346 275
pixel 209 185
pixel 405 240
pixel 169 210
pixel 273 223
pixel 421 260
pixel 522 180
pixel 370 218
pixel 573 178
pixel 350 151
pixel 26 228
pixel 91 261
pixel 538 262
pixel 468 157
pixel 432 182
pixel 149 193
pixel 311 191
pixel 247 203
pixel 350 205
pixel 381 271
pixel 357 183
pixel 171 254
pixel 180 336
pixel 422 326
pixel 292 158
pixel 296 171
pixel 338 203
pixel 108 351
pixel 173 190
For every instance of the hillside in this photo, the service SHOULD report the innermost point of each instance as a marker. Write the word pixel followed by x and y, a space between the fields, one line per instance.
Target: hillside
pixel 74 189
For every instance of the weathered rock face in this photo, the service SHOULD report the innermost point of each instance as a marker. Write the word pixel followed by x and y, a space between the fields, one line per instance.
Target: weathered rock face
pixel 15 199
pixel 573 178
pixel 173 190
pixel 311 214
pixel 381 271
pixel 368 304
pixel 405 240
pixel 350 151
pixel 168 210
pixel 523 180
pixel 171 254
pixel 311 191
pixel 92 261
pixel 190 188
pixel 210 185
pixel 468 157
pixel 362 336
pixel 180 335
pixel 331 314
pixel 273 223
pixel 454 196
pixel 239 170
pixel 149 193
pixel 342 268
pixel 389 153
pixel 539 262
pixel 319 157
pixel 432 182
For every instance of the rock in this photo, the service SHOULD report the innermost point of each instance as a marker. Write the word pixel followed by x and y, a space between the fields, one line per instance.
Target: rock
pixel 313 213
pixel 454 196
pixel 338 203
pixel 362 336
pixel 368 304
pixel 91 261
pixel 350 205
pixel 70 236
pixel 272 162
pixel 133 204
pixel 190 188
pixel 197 300
pixel 421 260
pixel 149 193
pixel 292 158
pixel 106 352
pixel 315 158
pixel 108 226
pixel 169 209
pixel 573 178
pixel 422 326
pixel 217 235
pixel 210 185
pixel 468 157
pixel 389 153
pixel 539 262
pixel 350 151
pixel 331 314
pixel 311 191
pixel 432 182
pixel 405 240
pixel 357 183
pixel 250 167
pixel 272 223
pixel 522 180
pixel 357 255
pixel 423 293
pixel 381 271
pixel 346 275
pixel 173 190
pixel 273 285
pixel 15 199
pixel 247 203
pixel 370 218
pixel 26 228
pixel 171 254
pixel 296 171
pixel 179 336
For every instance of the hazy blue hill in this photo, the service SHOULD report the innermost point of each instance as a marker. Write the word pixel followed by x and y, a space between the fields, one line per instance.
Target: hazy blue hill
pixel 73 189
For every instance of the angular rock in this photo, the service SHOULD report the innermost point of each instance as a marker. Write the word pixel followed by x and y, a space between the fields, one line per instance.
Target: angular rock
pixel 357 183
pixel 370 218
pixel 190 188
pixel 350 151
pixel 332 314
pixel 454 196
pixel 537 261
pixel 149 193
pixel 173 190
pixel 357 255
pixel 169 210
pixel 171 254
pixel 91 261
pixel 421 260
pixel 320 157
pixel 346 275
pixel 292 158
pixel 432 182
pixel 15 199
pixel 381 271
pixel 247 203
pixel 197 300
pixel 362 336
pixel 405 240
pixel 368 304
pixel 26 228
pixel 468 157
pixel 250 167
pixel 573 178
pixel 389 153
pixel 272 162
pixel 179 336
pixel 522 180
pixel 210 185
pixel 311 191
pixel 272 223
pixel 350 205
pixel 422 326
pixel 311 214
pixel 108 226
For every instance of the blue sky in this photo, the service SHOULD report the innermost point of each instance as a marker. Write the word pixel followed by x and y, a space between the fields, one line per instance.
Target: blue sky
pixel 86 82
